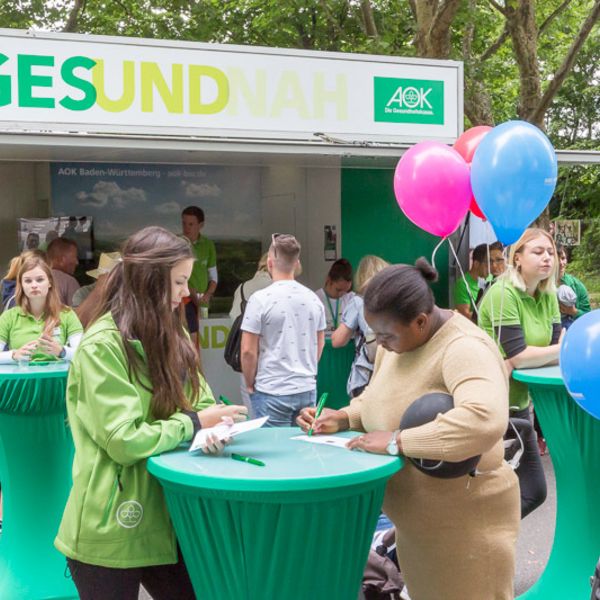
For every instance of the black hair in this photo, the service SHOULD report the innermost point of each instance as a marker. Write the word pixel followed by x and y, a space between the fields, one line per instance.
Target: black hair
pixel 402 291
pixel 497 246
pixel 560 248
pixel 194 211
pixel 480 253
pixel 340 269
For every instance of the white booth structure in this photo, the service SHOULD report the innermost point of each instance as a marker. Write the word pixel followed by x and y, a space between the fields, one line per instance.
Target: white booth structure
pixel 130 131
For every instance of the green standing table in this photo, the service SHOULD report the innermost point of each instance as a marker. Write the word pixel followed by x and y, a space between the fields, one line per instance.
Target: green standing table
pixel 298 528
pixel 36 455
pixel 573 438
pixel 333 372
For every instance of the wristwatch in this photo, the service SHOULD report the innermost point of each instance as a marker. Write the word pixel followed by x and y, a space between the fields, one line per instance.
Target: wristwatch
pixel 392 447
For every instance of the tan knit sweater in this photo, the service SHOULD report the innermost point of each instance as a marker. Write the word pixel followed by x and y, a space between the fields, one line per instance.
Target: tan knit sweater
pixel 456 530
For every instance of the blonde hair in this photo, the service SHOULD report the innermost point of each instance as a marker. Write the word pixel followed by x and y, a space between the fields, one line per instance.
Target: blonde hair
pixel 262 263
pixel 513 274
pixel 368 267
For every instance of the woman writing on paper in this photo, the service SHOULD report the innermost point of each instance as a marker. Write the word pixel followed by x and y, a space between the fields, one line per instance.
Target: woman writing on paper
pixel 455 537
pixel 39 328
pixel 134 391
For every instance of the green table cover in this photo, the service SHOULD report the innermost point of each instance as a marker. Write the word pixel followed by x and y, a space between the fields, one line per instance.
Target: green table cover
pixel 36 454
pixel 573 438
pixel 298 528
pixel 333 372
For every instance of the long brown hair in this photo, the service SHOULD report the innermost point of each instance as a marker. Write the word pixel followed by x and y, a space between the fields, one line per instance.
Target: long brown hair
pixel 53 305
pixel 87 309
pixel 137 293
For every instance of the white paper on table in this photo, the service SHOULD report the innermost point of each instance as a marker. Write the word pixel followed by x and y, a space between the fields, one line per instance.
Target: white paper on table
pixel 226 431
pixel 328 440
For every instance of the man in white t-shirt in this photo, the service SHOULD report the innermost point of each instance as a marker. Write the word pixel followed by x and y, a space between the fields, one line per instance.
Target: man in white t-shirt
pixel 282 340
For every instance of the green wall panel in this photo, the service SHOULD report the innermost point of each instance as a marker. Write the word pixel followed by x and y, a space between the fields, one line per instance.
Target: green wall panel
pixel 372 223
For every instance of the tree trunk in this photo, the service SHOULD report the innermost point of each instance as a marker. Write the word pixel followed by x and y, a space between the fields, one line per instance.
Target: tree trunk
pixel 434 18
pixel 520 21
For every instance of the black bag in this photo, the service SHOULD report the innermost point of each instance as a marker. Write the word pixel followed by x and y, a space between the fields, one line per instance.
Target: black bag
pixel 233 347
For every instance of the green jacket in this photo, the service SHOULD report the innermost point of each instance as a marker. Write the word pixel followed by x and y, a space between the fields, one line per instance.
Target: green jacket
pixel 116 514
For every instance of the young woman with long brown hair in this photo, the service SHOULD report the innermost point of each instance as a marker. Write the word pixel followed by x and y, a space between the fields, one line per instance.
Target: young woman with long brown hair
pixel 39 327
pixel 134 391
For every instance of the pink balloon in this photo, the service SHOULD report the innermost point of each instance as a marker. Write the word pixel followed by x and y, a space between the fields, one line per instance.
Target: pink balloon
pixel 433 187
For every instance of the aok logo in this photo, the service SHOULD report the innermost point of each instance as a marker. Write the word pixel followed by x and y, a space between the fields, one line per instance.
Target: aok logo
pixel 129 514
pixel 410 97
pixel 408 101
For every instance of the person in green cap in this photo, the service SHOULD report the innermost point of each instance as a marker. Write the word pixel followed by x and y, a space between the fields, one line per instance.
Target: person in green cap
pixel 467 289
pixel 134 390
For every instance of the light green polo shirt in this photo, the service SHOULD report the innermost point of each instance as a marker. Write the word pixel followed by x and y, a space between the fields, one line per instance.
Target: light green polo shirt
pixel 461 291
pixel 536 316
pixel 583 299
pixel 206 258
pixel 17 328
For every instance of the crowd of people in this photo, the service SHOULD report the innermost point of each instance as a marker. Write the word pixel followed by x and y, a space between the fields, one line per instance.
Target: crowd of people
pixel 136 389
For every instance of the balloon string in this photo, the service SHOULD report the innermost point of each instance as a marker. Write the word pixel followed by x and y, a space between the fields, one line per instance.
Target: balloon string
pixel 435 251
pixel 462 274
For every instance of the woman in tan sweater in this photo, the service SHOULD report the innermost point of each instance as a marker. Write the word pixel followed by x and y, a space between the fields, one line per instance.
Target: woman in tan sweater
pixel 456 537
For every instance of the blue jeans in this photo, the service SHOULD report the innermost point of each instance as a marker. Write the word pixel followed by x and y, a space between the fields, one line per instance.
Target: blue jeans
pixel 281 410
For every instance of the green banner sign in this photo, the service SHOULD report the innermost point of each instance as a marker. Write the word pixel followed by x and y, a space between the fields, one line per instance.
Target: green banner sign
pixel 408 101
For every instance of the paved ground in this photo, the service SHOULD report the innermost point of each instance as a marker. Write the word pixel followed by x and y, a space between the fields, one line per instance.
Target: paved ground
pixel 535 538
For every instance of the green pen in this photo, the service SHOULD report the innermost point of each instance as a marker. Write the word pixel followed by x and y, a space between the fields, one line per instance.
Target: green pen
pixel 226 401
pixel 247 459
pixel 320 406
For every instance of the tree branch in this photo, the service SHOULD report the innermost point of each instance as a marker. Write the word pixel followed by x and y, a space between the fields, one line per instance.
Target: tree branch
pixel 497 6
pixel 444 15
pixel 71 24
pixel 368 19
pixel 496 45
pixel 564 69
pixel 553 16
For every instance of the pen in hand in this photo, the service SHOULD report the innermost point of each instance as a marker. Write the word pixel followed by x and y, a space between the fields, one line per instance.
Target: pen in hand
pixel 247 459
pixel 225 401
pixel 320 406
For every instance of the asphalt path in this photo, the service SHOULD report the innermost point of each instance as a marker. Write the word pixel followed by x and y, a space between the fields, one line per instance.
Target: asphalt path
pixel 536 535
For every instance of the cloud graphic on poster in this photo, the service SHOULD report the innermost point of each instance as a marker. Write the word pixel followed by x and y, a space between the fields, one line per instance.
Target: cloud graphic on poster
pixel 108 194
pixel 168 208
pixel 200 190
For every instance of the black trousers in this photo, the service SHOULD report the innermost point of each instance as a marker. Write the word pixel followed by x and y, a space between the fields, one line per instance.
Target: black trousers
pixel 530 472
pixel 163 582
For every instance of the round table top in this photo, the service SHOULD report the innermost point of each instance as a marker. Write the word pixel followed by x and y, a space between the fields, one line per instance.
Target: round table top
pixel 543 375
pixel 290 465
pixel 34 370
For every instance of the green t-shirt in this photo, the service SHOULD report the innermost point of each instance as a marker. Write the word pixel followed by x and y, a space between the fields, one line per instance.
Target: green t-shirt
pixel 583 300
pixel 461 291
pixel 17 328
pixel 206 258
pixel 536 316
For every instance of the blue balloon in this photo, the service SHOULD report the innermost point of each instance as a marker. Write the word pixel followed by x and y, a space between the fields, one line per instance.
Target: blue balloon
pixel 580 362
pixel 513 176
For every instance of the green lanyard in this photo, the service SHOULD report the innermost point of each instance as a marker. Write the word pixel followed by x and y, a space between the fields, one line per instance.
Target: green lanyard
pixel 336 316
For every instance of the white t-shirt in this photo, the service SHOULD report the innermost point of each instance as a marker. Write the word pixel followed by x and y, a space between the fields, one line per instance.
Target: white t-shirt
pixel 287 316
